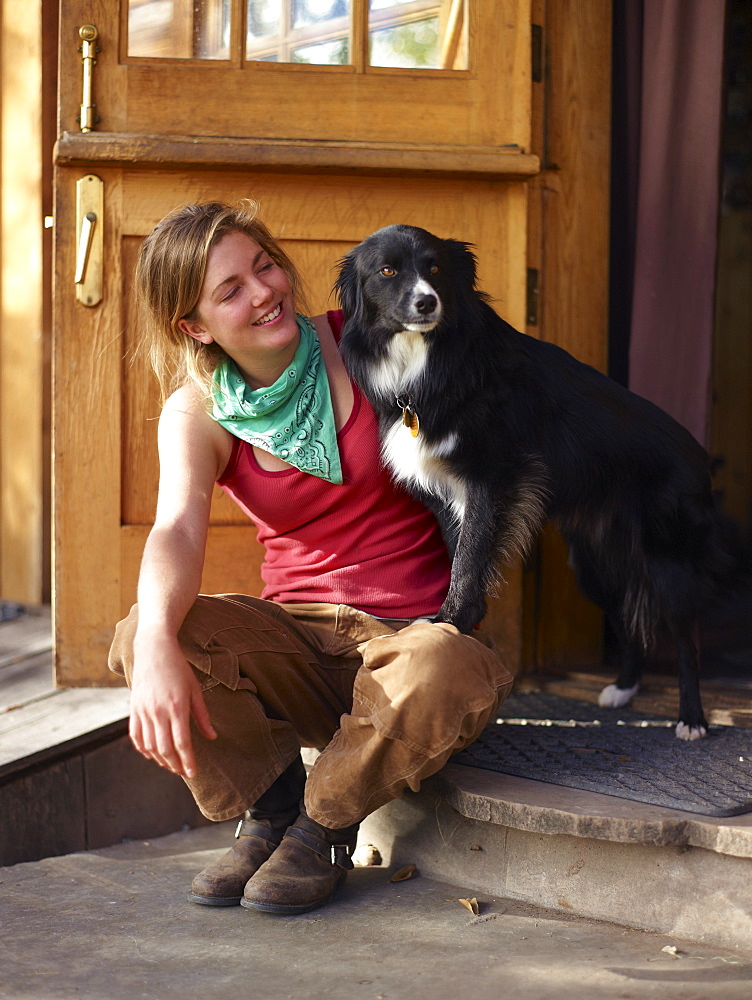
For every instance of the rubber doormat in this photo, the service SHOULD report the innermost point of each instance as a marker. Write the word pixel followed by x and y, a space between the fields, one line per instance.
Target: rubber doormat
pixel 617 752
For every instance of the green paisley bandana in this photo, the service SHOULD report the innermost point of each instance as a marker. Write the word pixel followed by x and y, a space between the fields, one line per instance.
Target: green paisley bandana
pixel 293 419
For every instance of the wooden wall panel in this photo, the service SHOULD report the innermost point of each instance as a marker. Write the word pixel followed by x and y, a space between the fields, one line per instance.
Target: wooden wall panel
pixel 233 561
pixel 87 369
pixel 576 177
pixel 23 387
pixel 568 224
pixel 731 412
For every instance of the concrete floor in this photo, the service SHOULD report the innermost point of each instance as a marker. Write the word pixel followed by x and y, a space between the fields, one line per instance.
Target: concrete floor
pixel 113 923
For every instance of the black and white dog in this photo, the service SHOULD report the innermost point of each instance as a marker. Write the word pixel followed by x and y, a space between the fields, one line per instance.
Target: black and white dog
pixel 497 432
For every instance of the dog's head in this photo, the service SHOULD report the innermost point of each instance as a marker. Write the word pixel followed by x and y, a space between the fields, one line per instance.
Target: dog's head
pixel 404 278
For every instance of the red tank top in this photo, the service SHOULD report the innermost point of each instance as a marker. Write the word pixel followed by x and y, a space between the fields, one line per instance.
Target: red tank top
pixel 365 543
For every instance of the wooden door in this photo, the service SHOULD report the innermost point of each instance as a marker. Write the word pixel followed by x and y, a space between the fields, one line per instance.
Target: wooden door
pixel 332 153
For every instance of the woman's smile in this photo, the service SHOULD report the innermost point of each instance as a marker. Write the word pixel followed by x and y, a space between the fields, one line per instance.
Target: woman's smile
pixel 270 316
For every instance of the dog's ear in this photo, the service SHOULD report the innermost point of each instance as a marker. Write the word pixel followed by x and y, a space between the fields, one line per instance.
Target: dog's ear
pixel 464 264
pixel 347 287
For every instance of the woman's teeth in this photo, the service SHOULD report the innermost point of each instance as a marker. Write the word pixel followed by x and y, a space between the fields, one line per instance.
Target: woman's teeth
pixel 269 316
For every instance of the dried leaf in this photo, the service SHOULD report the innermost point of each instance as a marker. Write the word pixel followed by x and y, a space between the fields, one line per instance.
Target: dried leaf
pixel 404 873
pixel 470 904
pixel 475 847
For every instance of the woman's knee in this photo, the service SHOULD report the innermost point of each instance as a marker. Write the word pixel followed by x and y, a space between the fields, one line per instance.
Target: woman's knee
pixel 435 662
pixel 443 652
pixel 197 624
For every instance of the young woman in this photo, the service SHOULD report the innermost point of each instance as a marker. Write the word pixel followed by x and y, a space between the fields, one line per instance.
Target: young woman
pixel 339 653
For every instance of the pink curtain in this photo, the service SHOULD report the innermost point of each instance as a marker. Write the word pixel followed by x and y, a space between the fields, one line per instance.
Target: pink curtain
pixel 675 249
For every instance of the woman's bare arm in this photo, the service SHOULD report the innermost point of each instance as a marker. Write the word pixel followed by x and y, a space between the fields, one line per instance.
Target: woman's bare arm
pixel 193 451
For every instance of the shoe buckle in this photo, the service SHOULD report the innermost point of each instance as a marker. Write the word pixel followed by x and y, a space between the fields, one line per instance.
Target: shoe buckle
pixel 340 855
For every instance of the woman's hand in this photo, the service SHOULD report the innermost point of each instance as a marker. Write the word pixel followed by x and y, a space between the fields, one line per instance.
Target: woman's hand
pixel 165 694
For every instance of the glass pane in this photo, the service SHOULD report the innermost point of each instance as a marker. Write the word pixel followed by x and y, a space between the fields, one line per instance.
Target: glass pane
pixel 413 45
pixel 323 53
pixel 418 34
pixel 179 29
pixel 307 12
pixel 309 31
pixel 264 18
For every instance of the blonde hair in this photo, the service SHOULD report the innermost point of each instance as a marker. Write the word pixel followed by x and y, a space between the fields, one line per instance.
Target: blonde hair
pixel 169 275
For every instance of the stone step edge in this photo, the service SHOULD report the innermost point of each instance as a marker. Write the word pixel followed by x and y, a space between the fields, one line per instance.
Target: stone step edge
pixel 539 807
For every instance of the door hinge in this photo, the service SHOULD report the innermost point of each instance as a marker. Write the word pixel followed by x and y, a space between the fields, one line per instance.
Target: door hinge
pixel 536 55
pixel 532 297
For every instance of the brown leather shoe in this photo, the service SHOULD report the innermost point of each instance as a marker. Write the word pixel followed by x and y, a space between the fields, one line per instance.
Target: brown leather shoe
pixel 257 835
pixel 221 883
pixel 304 871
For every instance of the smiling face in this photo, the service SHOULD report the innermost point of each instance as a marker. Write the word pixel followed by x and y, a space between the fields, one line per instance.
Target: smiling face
pixel 246 307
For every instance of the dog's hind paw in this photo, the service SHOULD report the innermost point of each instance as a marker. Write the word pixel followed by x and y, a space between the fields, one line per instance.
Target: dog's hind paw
pixel 685 732
pixel 616 697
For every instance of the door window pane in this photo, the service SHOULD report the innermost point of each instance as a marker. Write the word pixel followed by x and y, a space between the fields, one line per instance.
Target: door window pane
pixel 179 29
pixel 310 31
pixel 410 34
pixel 418 34
pixel 323 53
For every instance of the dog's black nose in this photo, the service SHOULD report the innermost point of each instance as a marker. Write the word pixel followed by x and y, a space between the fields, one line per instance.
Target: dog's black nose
pixel 425 304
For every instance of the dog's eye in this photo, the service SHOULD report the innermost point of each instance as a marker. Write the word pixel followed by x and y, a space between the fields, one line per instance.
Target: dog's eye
pixel 433 269
pixel 388 271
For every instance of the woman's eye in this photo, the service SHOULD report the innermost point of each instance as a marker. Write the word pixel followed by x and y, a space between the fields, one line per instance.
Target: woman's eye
pixel 230 294
pixel 388 271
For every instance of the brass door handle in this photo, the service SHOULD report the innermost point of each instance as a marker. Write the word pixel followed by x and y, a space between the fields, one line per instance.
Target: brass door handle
pixel 88 277
pixel 85 239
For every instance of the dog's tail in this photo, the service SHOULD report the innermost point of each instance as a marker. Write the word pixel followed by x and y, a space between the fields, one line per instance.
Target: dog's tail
pixel 708 565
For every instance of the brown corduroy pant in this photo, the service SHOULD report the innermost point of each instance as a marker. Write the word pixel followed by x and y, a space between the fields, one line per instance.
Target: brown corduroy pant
pixel 387 705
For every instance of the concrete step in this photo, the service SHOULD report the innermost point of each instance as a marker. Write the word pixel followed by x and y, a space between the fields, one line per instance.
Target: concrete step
pixel 577 852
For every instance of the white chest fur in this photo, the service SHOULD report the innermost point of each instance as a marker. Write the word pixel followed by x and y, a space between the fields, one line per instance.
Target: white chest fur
pixel 416 463
pixel 402 365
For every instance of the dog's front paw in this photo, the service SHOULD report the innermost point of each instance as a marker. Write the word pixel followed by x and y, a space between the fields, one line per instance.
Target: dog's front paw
pixel 616 697
pixel 463 622
pixel 687 732
pixel 464 614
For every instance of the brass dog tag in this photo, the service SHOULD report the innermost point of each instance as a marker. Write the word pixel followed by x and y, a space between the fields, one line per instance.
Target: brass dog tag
pixel 410 419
